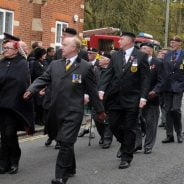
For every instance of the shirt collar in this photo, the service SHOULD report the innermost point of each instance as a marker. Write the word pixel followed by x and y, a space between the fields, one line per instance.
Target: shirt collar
pixel 129 51
pixel 72 59
pixel 93 62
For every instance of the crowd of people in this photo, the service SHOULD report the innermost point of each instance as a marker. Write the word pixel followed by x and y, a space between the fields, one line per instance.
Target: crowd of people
pixel 72 91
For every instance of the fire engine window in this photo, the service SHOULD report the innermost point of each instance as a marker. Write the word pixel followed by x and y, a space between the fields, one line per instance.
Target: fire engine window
pixel 106 45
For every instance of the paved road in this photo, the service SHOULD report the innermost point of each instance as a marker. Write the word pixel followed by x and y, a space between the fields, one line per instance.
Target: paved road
pixel 97 166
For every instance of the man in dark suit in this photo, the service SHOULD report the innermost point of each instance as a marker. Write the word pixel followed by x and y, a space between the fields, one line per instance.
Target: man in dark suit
pixel 173 87
pixel 127 82
pixel 69 79
pixel 70 32
pixel 151 111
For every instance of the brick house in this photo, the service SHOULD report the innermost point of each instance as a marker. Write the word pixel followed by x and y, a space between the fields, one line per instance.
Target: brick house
pixel 40 20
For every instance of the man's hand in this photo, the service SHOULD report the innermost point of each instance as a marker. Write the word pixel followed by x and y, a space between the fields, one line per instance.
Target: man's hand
pixel 101 95
pixel 152 94
pixel 86 99
pixel 101 116
pixel 142 103
pixel 42 92
pixel 27 95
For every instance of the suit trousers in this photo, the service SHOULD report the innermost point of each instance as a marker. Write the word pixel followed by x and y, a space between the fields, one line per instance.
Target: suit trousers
pixel 151 115
pixel 67 135
pixel 123 124
pixel 10 149
pixel 173 103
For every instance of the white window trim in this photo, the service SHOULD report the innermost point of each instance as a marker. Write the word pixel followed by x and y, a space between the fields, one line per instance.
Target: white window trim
pixel 61 23
pixel 4 11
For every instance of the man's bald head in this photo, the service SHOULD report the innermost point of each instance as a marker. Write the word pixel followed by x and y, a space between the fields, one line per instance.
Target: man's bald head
pixel 71 46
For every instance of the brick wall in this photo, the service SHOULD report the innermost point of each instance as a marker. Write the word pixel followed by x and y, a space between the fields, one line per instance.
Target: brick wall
pixel 46 14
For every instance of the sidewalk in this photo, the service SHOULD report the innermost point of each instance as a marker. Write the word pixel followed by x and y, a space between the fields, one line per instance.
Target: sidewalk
pixel 38 128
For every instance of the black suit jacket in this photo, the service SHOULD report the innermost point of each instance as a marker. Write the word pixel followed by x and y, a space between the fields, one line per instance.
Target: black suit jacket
pixel 172 74
pixel 155 66
pixel 125 87
pixel 68 89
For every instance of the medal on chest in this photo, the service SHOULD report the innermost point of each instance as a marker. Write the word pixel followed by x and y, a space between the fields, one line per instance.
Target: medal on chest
pixel 134 66
pixel 77 78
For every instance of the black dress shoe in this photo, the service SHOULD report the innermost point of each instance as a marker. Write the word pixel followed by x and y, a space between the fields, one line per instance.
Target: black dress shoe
pixel 137 149
pixel 59 181
pixel 58 145
pixel 83 132
pixel 119 153
pixel 147 151
pixel 48 142
pixel 106 145
pixel 13 169
pixel 124 165
pixel 180 138
pixel 168 140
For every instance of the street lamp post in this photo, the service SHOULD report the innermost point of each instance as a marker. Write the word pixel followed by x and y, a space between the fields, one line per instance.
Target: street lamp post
pixel 166 23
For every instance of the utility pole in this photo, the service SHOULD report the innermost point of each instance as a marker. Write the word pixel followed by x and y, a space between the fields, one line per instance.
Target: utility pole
pixel 166 23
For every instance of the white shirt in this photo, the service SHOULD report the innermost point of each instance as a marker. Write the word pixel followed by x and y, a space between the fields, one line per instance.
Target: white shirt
pixel 128 53
pixel 72 59
pixel 93 62
pixel 149 59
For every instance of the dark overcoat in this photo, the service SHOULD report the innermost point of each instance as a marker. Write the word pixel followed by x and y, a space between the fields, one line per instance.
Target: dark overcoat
pixel 14 80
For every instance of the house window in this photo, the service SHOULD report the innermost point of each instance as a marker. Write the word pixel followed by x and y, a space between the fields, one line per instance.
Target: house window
pixel 59 28
pixel 6 23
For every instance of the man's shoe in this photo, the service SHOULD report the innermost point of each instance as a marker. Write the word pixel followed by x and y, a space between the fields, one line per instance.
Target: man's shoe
pixel 59 181
pixel 119 153
pixel 168 140
pixel 83 132
pixel 58 145
pixel 180 138
pixel 124 165
pixel 147 151
pixel 106 145
pixel 48 142
pixel 137 149
pixel 13 169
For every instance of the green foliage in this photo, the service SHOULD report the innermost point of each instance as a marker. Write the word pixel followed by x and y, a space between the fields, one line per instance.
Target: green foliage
pixel 135 16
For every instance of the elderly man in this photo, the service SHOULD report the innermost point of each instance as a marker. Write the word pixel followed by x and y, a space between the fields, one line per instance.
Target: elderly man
pixel 69 79
pixel 173 87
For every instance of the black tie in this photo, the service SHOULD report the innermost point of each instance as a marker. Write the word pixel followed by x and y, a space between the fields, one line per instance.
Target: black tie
pixel 68 64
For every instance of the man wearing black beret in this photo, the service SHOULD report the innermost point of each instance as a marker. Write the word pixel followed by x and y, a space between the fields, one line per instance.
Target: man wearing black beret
pixel 70 32
pixel 151 111
pixel 126 85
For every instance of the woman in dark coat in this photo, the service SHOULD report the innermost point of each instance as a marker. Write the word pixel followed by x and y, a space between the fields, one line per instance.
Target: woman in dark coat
pixel 37 67
pixel 15 113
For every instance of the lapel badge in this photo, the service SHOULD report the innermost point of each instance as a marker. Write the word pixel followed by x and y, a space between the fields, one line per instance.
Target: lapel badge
pixel 134 66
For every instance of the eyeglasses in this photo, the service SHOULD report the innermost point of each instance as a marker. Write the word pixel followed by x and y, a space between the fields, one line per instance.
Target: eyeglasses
pixel 7 48
pixel 91 53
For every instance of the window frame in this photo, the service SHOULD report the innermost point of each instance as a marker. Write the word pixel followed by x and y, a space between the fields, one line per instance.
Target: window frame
pixel 59 44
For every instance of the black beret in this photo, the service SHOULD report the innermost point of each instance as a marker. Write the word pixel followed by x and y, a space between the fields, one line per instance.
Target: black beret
pixel 92 50
pixel 106 54
pixel 132 35
pixel 177 39
pixel 70 30
pixel 148 44
pixel 10 37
